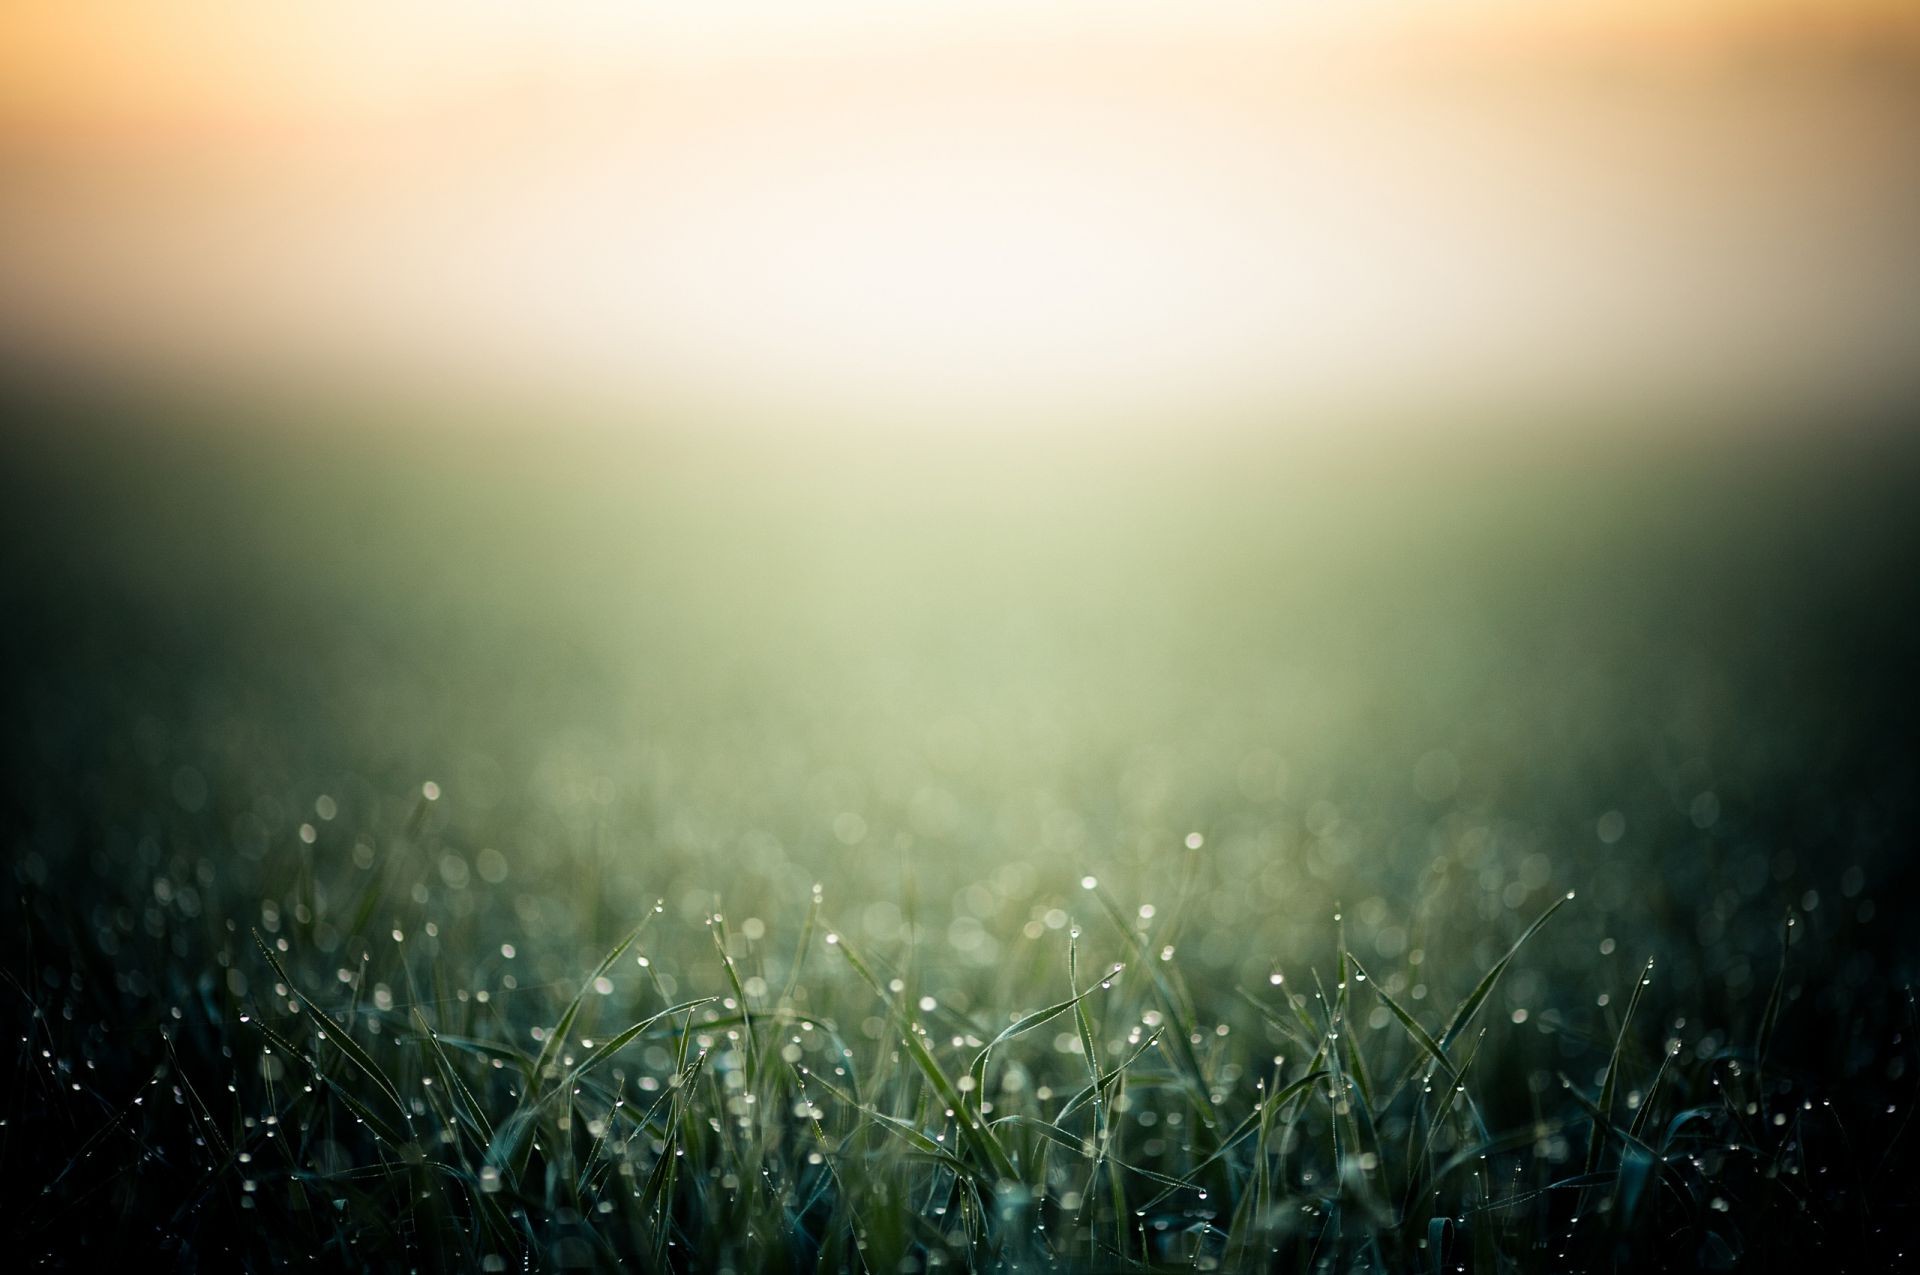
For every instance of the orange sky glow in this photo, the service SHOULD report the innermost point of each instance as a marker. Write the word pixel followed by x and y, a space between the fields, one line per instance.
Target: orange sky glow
pixel 946 212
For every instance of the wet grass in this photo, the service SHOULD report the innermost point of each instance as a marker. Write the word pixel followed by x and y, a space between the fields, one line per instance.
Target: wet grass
pixel 814 1106
pixel 710 864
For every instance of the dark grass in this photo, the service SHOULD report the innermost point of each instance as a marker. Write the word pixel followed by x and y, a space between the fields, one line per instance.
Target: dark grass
pixel 396 1111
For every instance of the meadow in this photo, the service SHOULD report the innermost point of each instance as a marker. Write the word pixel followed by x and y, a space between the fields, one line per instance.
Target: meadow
pixel 452 848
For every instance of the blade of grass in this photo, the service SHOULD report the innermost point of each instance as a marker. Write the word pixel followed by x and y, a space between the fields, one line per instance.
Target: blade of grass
pixel 1596 1142
pixel 613 1045
pixel 1478 997
pixel 470 1110
pixel 719 931
pixel 337 1034
pixel 1179 1012
pixel 550 1046
pixel 1427 1043
pixel 973 1130
pixel 1770 1017
pixel 1026 1024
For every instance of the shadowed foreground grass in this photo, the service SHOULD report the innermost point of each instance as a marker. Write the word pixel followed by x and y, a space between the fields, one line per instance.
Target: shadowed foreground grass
pixel 793 1103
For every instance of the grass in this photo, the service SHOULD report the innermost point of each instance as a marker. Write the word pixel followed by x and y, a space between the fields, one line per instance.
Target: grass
pixel 1144 865
pixel 398 1112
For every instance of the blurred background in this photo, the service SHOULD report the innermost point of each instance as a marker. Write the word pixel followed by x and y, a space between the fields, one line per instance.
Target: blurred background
pixel 1401 460
pixel 969 216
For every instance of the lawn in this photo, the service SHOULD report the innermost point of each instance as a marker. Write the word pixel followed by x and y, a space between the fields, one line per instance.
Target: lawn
pixel 453 848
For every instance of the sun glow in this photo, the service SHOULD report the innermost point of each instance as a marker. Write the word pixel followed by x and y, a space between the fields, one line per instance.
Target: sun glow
pixel 945 212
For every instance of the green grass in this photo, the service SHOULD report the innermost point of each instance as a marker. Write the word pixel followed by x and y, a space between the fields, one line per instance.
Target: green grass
pixel 700 859
pixel 413 1107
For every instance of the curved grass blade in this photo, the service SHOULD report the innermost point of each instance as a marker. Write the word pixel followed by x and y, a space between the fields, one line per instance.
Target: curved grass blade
pixel 1036 1019
pixel 469 1109
pixel 1415 1176
pixel 1646 1104
pixel 337 1034
pixel 607 1049
pixel 1277 1099
pixel 1178 1010
pixel 1089 1048
pixel 1596 1143
pixel 1600 1121
pixel 490 1049
pixel 550 1047
pixel 1478 997
pixel 719 932
pixel 1085 1094
pixel 1419 1034
pixel 973 1129
pixel 1055 1134
pixel 380 1128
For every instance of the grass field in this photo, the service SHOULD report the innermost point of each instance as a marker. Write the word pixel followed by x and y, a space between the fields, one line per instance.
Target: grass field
pixel 433 849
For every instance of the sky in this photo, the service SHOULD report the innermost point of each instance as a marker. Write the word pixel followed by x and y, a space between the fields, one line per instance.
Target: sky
pixel 941 214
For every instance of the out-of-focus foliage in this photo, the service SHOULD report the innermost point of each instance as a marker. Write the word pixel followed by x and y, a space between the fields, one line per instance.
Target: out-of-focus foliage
pixel 335 766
